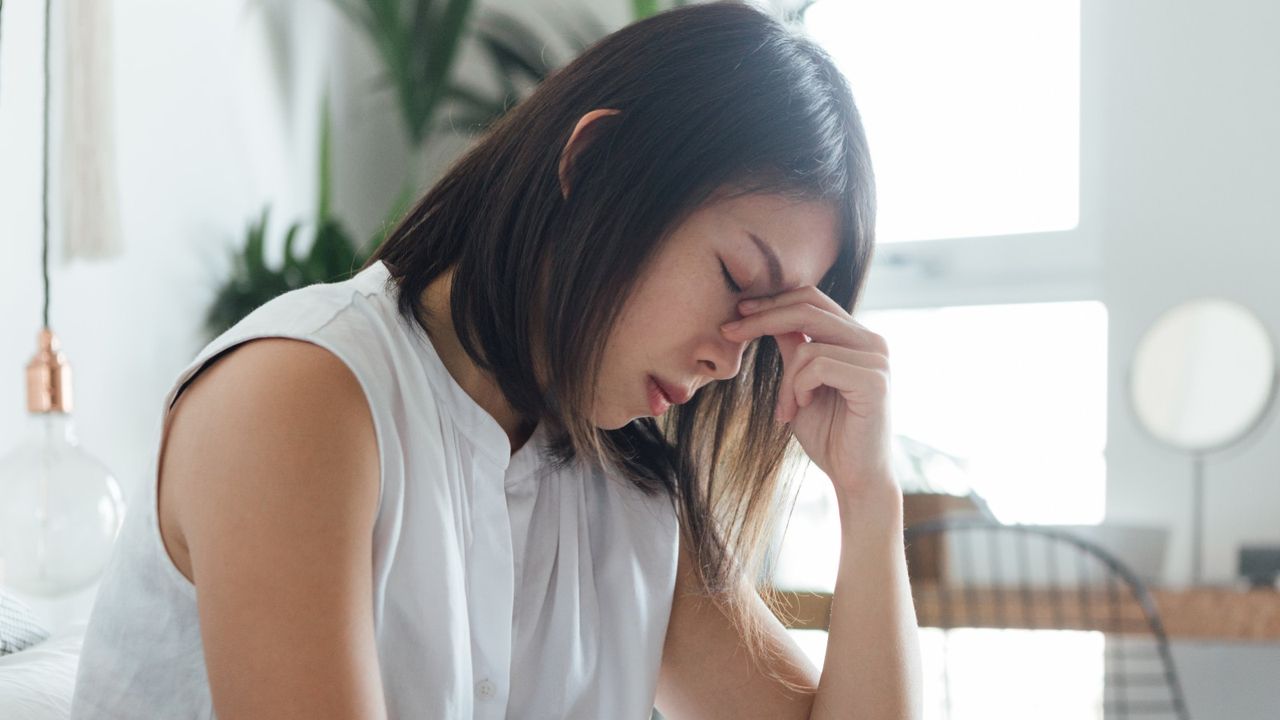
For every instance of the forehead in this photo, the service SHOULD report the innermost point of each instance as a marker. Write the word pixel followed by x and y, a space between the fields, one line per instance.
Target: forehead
pixel 804 233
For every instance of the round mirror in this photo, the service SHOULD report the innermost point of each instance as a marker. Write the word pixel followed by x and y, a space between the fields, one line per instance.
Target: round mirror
pixel 1203 375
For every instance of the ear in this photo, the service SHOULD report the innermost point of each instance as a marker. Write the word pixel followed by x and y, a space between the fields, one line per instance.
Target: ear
pixel 583 134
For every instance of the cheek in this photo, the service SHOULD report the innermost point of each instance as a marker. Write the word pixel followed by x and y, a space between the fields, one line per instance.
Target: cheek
pixel 654 304
pixel 674 304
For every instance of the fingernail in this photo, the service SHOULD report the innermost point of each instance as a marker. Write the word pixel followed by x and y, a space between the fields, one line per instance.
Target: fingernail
pixel 731 325
pixel 749 304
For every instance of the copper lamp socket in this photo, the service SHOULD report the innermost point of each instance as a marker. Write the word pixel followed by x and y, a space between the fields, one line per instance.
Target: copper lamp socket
pixel 48 376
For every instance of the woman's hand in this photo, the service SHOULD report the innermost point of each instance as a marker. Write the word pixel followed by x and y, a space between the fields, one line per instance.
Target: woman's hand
pixel 835 386
pixel 834 392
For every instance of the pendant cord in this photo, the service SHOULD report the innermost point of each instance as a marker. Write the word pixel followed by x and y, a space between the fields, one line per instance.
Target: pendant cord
pixel 44 181
pixel 44 186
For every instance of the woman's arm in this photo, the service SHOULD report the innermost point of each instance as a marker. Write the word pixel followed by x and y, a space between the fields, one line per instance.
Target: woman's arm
pixel 872 665
pixel 271 466
pixel 705 671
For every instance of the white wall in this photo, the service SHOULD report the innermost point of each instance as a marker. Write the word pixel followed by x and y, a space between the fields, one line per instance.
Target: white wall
pixel 1186 162
pixel 1186 156
pixel 213 119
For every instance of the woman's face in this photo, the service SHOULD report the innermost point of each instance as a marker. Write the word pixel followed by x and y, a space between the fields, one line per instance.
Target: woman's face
pixel 669 328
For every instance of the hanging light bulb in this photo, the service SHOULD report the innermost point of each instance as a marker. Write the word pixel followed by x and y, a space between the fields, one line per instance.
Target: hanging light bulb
pixel 62 508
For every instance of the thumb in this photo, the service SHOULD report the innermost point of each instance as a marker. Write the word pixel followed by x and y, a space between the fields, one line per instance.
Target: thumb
pixel 787 344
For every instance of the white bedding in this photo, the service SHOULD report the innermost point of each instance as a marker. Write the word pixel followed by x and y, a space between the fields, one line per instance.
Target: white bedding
pixel 36 683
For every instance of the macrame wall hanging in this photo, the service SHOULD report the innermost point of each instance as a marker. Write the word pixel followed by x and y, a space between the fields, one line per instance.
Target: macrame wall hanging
pixel 90 201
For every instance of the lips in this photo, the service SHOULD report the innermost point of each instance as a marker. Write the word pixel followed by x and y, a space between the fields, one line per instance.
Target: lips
pixel 674 393
pixel 658 400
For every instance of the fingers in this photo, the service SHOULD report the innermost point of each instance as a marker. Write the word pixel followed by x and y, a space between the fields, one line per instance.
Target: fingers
pixel 805 293
pixel 819 324
pixel 788 345
pixel 858 385
pixel 808 326
pixel 796 311
pixel 822 364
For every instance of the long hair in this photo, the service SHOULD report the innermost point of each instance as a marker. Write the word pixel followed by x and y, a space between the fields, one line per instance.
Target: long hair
pixel 715 98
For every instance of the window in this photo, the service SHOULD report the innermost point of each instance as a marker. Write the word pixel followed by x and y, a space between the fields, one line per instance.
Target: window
pixel 998 674
pixel 1017 392
pixel 971 109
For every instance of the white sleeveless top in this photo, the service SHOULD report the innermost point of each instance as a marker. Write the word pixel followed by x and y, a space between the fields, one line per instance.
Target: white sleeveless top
pixel 500 589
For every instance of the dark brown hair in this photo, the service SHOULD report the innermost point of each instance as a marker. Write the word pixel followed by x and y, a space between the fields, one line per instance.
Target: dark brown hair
pixel 713 97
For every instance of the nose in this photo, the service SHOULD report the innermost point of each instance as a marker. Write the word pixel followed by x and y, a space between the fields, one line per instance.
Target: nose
pixel 723 358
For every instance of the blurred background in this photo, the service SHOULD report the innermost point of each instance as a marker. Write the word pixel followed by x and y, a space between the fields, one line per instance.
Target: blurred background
pixel 1078 243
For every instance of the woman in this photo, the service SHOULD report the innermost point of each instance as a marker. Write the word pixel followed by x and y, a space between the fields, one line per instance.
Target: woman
pixel 520 465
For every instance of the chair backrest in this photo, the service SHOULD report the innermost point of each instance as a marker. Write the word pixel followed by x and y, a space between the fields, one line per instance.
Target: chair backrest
pixel 979 573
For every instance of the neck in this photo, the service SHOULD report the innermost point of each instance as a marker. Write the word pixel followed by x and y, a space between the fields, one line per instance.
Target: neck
pixel 478 385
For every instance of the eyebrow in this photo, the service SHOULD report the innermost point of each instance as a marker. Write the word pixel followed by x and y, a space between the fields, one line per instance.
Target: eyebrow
pixel 771 259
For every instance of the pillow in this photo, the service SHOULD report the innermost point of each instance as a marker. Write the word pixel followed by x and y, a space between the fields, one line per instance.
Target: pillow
pixel 37 683
pixel 19 626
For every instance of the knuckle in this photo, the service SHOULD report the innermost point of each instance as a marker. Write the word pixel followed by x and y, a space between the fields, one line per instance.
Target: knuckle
pixel 879 343
pixel 880 382
pixel 820 363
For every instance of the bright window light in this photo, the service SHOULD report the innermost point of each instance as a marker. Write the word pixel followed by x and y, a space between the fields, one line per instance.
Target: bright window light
pixel 1012 674
pixel 1018 393
pixel 984 674
pixel 971 110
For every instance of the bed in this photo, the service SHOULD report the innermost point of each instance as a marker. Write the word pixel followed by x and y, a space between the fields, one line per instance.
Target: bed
pixel 37 667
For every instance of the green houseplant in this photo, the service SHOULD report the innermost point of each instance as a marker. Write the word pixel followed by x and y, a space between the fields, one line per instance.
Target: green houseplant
pixel 333 254
pixel 417 42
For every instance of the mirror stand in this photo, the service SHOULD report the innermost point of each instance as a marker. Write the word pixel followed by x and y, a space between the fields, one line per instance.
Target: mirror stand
pixel 1203 377
pixel 1197 517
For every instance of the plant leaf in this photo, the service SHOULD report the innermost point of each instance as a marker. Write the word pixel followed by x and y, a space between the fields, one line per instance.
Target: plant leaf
pixel 293 269
pixel 514 46
pixel 325 185
pixel 641 9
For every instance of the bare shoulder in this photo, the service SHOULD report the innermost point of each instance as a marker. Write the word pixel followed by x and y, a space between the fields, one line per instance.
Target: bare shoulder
pixel 264 401
pixel 270 477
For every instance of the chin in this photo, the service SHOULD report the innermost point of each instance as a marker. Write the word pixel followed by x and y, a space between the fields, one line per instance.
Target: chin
pixel 615 420
pixel 615 424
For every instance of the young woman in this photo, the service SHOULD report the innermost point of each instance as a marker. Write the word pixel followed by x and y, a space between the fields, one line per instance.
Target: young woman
pixel 526 461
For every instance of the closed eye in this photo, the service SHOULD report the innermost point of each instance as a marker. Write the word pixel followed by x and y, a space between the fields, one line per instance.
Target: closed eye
pixel 728 279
